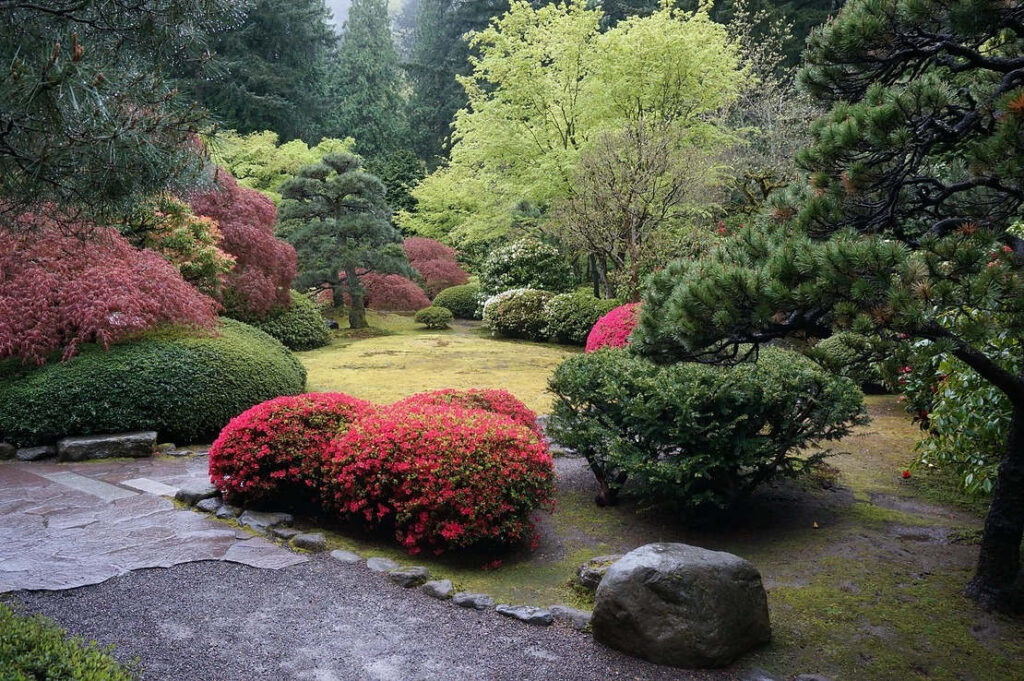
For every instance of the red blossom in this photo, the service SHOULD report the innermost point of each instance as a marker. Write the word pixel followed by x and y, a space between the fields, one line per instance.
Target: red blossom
pixel 494 401
pixel 613 329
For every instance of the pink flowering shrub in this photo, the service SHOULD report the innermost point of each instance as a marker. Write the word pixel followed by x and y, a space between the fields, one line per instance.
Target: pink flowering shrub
pixel 442 477
pixel 389 292
pixel 274 451
pixel 494 401
pixel 435 263
pixel 264 265
pixel 62 287
pixel 613 329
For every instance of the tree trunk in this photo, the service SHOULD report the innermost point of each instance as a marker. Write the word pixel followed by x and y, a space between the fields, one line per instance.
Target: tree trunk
pixel 602 276
pixel 998 582
pixel 356 310
pixel 593 276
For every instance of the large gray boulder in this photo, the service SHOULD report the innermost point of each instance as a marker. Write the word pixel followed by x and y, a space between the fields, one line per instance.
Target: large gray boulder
pixel 681 605
pixel 133 445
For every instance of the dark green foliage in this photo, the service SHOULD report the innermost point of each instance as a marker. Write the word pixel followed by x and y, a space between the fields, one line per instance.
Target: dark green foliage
pixel 300 326
pixel 340 227
pixel 400 171
pixel 519 315
pixel 569 317
pixel 33 647
pixel 462 300
pixel 88 119
pixel 851 355
pixel 693 435
pixel 526 263
pixel 184 387
pixel 434 317
pixel 269 72
pixel 366 88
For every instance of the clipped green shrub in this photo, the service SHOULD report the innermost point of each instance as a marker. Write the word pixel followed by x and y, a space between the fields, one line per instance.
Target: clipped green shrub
pixel 569 317
pixel 184 387
pixel 434 317
pixel 461 300
pixel 518 314
pixel 33 647
pixel 300 326
pixel 849 354
pixel 692 435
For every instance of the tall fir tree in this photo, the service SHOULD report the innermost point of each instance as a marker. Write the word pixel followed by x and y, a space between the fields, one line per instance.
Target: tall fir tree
pixel 366 84
pixel 341 228
pixel 269 73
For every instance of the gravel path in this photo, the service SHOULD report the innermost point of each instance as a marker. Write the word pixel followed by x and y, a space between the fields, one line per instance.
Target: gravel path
pixel 321 621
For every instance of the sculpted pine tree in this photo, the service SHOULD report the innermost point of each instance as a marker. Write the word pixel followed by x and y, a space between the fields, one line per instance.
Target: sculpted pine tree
pixel 341 229
pixel 909 226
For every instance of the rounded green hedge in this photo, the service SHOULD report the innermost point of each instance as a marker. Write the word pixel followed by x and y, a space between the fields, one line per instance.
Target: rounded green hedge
pixel 518 314
pixel 461 300
pixel 300 326
pixel 571 316
pixel 184 387
pixel 434 317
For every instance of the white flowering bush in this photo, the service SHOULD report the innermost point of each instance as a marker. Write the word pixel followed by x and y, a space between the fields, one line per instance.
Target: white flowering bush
pixel 518 313
pixel 526 263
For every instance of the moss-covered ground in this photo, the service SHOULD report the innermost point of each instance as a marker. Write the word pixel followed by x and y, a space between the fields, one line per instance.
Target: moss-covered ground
pixel 864 569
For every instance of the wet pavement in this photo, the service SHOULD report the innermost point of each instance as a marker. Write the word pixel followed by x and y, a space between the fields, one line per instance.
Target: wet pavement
pixel 69 525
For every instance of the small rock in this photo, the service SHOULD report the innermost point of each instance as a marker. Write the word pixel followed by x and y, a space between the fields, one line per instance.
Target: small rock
pixel 193 493
pixel 757 675
pixel 346 556
pixel 134 445
pixel 310 541
pixel 7 451
pixel 591 572
pixel 285 532
pixel 262 521
pixel 36 453
pixel 527 613
pixel 179 452
pixel 209 505
pixel 381 564
pixel 579 619
pixel 465 599
pixel 440 589
pixel 812 677
pixel 331 324
pixel 410 576
pixel 228 512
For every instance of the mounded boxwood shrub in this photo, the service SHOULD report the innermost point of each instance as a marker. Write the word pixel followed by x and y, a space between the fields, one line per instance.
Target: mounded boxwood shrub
pixel 274 451
pixel 185 387
pixel 494 401
pixel 613 329
pixel 33 647
pixel 849 354
pixel 434 317
pixel 569 317
pixel 442 477
pixel 695 435
pixel 300 326
pixel 518 314
pixel 461 300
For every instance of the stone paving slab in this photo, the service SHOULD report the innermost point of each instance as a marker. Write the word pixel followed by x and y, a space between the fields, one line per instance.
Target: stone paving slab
pixel 68 525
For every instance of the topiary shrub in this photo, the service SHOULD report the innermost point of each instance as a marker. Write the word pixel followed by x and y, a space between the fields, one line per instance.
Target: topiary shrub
pixel 569 317
pixel 518 314
pixel 494 401
pixel 434 317
pixel 33 647
pixel 274 451
pixel 185 387
pixel 613 329
pixel 694 435
pixel 461 300
pixel 849 354
pixel 300 326
pixel 526 263
pixel 442 477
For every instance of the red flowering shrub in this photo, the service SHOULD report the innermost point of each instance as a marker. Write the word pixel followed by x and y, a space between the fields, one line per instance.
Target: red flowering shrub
pixel 264 265
pixel 389 292
pixel 442 476
pixel 494 401
pixel 275 450
pixel 613 329
pixel 59 290
pixel 435 263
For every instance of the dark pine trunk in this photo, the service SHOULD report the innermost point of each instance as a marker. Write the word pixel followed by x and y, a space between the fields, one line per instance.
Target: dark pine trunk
pixel 997 583
pixel 357 309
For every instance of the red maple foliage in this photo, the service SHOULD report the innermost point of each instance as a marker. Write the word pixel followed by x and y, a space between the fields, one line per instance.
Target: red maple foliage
pixel 264 265
pixel 274 451
pixel 441 476
pixel 422 249
pixel 62 286
pixel 389 292
pixel 613 329
pixel 435 263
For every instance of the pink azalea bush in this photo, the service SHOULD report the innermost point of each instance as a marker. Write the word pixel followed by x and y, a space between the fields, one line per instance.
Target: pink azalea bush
pixel 613 329
pixel 494 401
